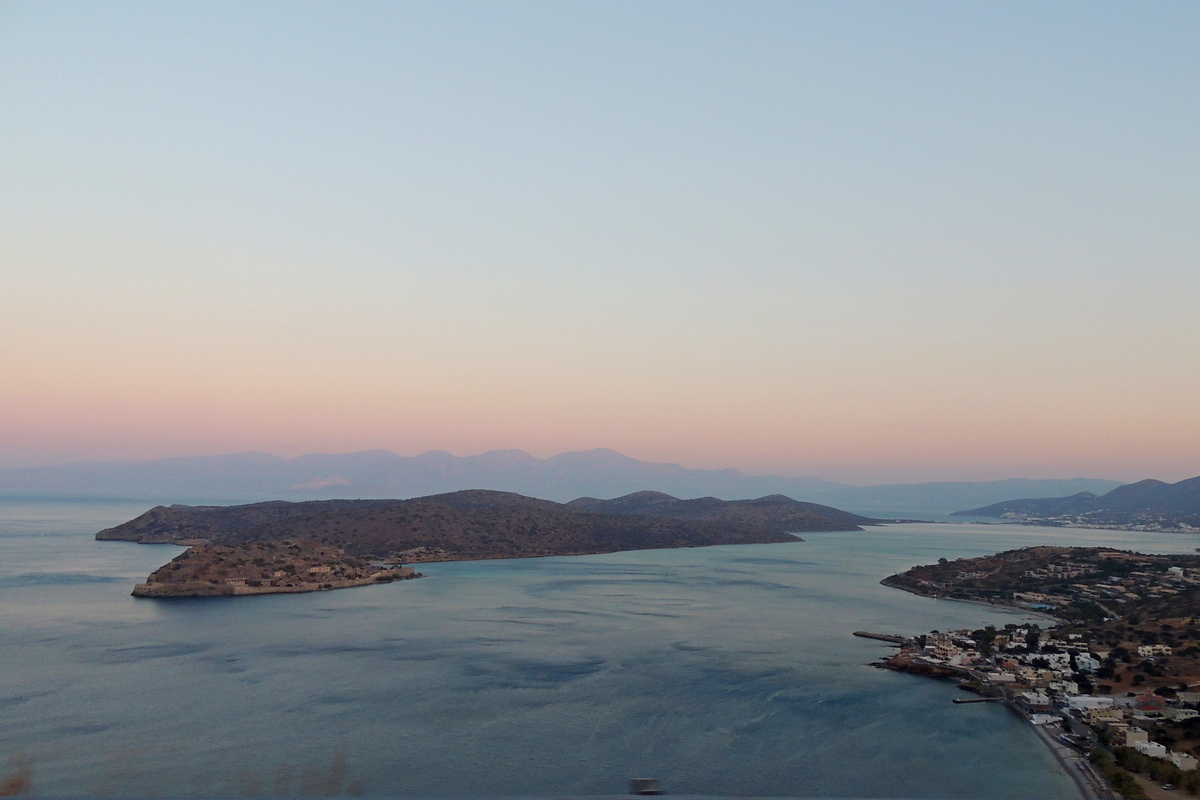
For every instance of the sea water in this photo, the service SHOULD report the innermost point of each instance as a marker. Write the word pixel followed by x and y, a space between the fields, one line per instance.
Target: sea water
pixel 719 671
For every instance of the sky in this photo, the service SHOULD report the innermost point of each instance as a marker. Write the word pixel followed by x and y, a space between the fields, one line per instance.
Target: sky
pixel 865 241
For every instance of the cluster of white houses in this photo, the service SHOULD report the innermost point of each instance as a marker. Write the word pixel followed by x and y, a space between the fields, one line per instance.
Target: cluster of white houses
pixel 1045 686
pixel 1113 589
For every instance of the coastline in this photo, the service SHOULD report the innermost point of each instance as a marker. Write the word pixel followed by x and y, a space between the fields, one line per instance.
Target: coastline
pixel 1005 606
pixel 1091 784
pixel 1049 523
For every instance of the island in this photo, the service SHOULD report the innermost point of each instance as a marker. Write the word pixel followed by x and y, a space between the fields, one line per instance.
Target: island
pixel 285 567
pixel 1112 671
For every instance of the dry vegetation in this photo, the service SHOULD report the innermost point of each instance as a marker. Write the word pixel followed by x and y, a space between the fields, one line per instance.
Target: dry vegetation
pixel 263 567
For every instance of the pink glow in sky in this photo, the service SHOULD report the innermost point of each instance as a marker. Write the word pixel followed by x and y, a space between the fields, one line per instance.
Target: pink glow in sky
pixel 861 241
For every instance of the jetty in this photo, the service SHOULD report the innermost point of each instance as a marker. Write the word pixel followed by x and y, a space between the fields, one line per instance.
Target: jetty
pixel 883 637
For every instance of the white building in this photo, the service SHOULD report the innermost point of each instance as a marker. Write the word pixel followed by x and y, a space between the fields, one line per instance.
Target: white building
pixel 1152 749
pixel 1089 701
pixel 1055 660
pixel 1183 761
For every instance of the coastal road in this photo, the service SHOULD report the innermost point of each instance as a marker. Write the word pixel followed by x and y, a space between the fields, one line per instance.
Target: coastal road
pixel 1090 782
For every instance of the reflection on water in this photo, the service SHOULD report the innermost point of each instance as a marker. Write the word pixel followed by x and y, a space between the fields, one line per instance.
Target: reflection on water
pixel 727 670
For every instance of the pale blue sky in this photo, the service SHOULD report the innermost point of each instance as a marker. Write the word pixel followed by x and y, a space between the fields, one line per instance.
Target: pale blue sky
pixel 863 240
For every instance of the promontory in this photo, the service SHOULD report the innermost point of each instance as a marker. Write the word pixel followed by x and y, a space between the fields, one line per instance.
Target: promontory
pixel 480 524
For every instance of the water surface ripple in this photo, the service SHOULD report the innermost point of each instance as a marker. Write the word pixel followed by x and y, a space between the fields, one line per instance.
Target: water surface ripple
pixel 720 671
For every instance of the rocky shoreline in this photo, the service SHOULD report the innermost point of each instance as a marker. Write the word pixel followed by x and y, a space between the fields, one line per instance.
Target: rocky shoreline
pixel 265 568
pixel 204 589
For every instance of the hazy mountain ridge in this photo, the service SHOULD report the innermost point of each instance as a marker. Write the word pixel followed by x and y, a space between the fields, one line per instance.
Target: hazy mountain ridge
pixel 1148 502
pixel 383 474
pixel 947 496
pixel 475 524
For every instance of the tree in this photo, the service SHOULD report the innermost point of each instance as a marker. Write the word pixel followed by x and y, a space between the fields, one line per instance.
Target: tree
pixel 1190 782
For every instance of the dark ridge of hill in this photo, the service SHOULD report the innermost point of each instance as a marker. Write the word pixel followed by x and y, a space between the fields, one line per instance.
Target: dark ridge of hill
pixel 459 526
pixel 1080 503
pixel 1157 496
pixel 1145 503
pixel 773 511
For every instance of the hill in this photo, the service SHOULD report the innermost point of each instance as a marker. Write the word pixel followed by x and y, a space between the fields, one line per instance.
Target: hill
pixel 471 525
pixel 774 511
pixel 1145 504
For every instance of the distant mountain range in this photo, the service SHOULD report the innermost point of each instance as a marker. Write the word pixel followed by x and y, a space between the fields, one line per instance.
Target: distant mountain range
pixel 1149 504
pixel 382 474
pixel 469 525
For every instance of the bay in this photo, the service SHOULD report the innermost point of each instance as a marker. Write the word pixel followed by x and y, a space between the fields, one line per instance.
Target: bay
pixel 719 671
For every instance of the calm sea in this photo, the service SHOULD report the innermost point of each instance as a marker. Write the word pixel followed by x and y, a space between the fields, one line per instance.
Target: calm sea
pixel 719 671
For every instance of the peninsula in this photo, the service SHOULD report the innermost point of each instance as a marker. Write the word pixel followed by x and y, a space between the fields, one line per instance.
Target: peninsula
pixel 473 525
pixel 1147 505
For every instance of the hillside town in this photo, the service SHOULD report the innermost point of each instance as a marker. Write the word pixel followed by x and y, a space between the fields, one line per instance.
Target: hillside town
pixel 1113 674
